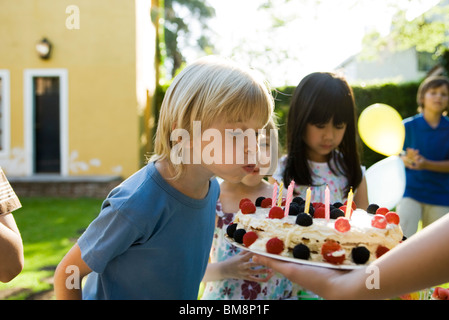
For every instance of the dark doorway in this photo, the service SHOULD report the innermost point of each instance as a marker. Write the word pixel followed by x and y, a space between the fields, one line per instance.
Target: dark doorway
pixel 47 147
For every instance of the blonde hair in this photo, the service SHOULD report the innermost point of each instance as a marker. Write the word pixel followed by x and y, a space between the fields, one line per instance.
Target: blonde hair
pixel 210 88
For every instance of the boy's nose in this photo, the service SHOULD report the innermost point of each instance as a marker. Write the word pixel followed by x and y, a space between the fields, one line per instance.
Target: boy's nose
pixel 251 151
pixel 251 145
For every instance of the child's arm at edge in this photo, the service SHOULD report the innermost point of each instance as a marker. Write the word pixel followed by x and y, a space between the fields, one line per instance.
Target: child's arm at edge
pixel 73 266
pixel 11 248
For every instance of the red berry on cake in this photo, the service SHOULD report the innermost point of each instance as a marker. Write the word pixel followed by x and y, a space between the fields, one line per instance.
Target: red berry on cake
pixel 316 205
pixel 249 238
pixel 332 252
pixel 343 208
pixel 379 221
pixel 392 217
pixel 266 203
pixel 276 213
pixel 319 213
pixel 342 224
pixel 243 201
pixel 275 246
pixel 336 257
pixel 382 210
pixel 381 250
pixel 353 204
pixel 248 207
pixel 329 246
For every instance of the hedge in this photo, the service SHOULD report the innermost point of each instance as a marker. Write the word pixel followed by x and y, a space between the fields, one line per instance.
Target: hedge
pixel 402 97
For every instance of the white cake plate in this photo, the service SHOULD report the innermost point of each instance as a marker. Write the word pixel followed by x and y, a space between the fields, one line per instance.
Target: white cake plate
pixel 295 260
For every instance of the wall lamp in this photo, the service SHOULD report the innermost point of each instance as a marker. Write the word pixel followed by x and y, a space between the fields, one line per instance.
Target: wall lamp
pixel 43 48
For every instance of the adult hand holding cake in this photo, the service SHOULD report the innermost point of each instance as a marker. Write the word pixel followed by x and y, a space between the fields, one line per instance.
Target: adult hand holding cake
pixel 414 265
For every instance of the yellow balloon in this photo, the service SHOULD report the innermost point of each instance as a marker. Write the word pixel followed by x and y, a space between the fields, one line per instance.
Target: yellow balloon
pixel 381 129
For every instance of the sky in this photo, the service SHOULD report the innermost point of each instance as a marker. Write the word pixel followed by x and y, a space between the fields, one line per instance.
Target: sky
pixel 315 37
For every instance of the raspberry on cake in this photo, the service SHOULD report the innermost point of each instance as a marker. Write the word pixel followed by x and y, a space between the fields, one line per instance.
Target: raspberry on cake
pixel 247 207
pixel 266 203
pixel 275 246
pixel 249 238
pixel 276 213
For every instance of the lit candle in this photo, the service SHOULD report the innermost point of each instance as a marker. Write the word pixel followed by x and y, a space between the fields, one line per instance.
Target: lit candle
pixel 275 192
pixel 289 197
pixel 281 189
pixel 349 204
pixel 308 195
pixel 327 203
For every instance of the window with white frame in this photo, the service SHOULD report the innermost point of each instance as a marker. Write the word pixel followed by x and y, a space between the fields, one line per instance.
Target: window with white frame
pixel 4 111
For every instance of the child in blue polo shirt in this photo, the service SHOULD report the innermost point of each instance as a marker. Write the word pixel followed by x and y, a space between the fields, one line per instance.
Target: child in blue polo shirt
pixel 426 158
pixel 153 235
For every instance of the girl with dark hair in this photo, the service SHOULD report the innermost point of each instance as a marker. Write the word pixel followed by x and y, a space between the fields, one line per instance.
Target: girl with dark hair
pixel 322 141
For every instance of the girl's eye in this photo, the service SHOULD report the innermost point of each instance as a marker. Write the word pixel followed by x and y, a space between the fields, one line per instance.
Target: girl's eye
pixel 340 126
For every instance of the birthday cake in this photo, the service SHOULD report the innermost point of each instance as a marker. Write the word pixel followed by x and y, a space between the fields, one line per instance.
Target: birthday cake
pixel 334 237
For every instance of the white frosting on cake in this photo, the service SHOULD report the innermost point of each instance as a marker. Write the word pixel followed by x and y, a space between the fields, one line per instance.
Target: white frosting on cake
pixel 314 236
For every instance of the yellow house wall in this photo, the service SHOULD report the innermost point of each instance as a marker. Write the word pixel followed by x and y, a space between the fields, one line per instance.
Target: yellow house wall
pixel 100 58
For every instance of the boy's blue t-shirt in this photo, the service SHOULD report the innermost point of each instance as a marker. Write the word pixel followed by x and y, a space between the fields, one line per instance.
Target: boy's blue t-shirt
pixel 433 143
pixel 149 241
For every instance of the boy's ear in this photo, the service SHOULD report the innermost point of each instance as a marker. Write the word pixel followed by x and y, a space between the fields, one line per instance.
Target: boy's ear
pixel 181 137
pixel 173 129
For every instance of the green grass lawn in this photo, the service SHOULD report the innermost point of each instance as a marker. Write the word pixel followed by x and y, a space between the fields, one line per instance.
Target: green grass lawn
pixel 49 227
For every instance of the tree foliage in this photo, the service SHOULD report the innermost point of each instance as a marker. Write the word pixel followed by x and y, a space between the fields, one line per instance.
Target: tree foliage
pixel 185 26
pixel 426 33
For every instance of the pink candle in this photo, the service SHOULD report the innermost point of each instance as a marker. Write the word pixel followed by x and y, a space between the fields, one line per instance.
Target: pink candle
pixel 327 203
pixel 275 193
pixel 289 197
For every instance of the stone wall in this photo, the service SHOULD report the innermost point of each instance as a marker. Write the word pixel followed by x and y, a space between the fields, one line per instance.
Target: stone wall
pixel 64 187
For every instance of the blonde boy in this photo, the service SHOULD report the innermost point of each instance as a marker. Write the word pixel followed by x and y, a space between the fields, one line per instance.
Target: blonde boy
pixel 154 232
